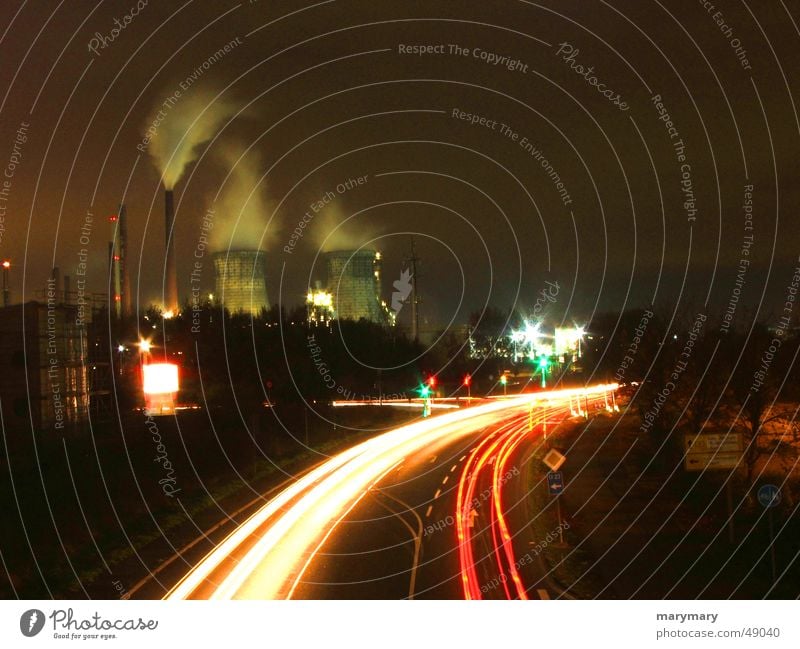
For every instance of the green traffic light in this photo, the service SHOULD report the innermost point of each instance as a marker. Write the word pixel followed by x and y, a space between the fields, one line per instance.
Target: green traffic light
pixel 543 362
pixel 503 379
pixel 424 390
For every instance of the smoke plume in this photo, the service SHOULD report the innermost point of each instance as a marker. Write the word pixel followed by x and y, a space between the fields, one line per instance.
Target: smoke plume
pixel 179 126
pixel 243 208
pixel 334 232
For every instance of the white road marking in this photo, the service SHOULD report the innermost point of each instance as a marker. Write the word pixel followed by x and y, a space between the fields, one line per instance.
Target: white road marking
pixel 430 509
pixel 445 479
pixel 453 468
pixel 542 593
pixel 437 494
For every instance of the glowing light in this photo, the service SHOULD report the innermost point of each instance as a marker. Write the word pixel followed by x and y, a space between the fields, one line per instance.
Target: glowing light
pixel 121 348
pixel 6 264
pixel 320 298
pixel 268 555
pixel 144 345
pixel 169 313
pixel 160 378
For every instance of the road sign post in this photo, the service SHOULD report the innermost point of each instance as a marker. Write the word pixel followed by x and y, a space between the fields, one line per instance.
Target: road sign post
pixel 555 486
pixel 770 497
pixel 708 451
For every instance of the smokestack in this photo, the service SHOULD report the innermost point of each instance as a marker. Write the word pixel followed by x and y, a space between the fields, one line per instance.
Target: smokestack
pixel 170 272
pixel 125 279
pixel 112 268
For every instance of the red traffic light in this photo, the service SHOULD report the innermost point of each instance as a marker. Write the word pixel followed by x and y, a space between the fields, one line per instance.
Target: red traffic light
pixel 467 379
pixel 432 380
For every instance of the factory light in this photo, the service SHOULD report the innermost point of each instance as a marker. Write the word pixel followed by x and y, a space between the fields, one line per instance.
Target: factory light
pixel 6 263
pixel 160 378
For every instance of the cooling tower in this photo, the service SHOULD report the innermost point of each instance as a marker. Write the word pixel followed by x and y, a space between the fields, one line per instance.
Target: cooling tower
pixel 354 279
pixel 241 281
pixel 170 272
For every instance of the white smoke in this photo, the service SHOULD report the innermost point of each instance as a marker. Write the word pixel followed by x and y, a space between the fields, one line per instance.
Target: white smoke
pixel 243 209
pixel 175 130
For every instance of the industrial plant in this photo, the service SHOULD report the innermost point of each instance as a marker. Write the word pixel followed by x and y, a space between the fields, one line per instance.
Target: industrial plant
pixel 241 281
pixel 353 289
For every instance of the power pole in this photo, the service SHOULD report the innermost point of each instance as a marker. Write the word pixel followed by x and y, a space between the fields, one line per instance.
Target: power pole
pixel 414 294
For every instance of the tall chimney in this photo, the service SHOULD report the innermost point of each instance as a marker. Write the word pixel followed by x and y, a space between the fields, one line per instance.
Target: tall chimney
pixel 170 273
pixel 125 279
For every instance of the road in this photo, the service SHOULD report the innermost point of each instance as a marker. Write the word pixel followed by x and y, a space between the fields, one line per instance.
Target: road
pixel 434 509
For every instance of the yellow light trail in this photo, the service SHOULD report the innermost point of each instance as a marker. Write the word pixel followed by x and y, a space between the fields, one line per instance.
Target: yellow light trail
pixel 266 556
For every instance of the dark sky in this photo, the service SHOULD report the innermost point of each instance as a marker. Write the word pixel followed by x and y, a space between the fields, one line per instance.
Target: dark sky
pixel 321 93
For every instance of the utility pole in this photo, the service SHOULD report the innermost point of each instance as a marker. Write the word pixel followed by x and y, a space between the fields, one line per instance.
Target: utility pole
pixel 414 294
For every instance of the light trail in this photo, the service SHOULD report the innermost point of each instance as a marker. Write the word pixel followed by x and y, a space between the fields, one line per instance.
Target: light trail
pixel 266 556
pixel 490 457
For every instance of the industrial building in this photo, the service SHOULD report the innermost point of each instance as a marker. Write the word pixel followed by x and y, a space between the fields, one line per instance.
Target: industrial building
pixel 354 283
pixel 44 382
pixel 241 281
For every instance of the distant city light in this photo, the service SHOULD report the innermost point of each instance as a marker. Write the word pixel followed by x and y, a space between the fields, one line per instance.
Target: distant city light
pixel 6 263
pixel 168 314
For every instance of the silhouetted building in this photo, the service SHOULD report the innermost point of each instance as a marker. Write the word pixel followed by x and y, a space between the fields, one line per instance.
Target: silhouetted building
pixel 44 381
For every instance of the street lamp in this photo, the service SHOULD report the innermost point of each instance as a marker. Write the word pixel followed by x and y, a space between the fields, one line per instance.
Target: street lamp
pixel 580 332
pixel 6 290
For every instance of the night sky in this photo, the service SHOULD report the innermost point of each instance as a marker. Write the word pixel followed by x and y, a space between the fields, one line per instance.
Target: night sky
pixel 308 96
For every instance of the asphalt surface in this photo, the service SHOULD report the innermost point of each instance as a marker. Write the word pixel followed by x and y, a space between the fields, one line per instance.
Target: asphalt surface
pixel 437 510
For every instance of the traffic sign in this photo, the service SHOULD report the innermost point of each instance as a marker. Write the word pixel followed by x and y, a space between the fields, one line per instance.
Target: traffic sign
pixel 769 495
pixel 555 482
pixel 706 451
pixel 713 443
pixel 707 461
pixel 554 459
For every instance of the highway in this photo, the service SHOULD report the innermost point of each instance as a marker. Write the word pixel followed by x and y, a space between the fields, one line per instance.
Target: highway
pixel 435 509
